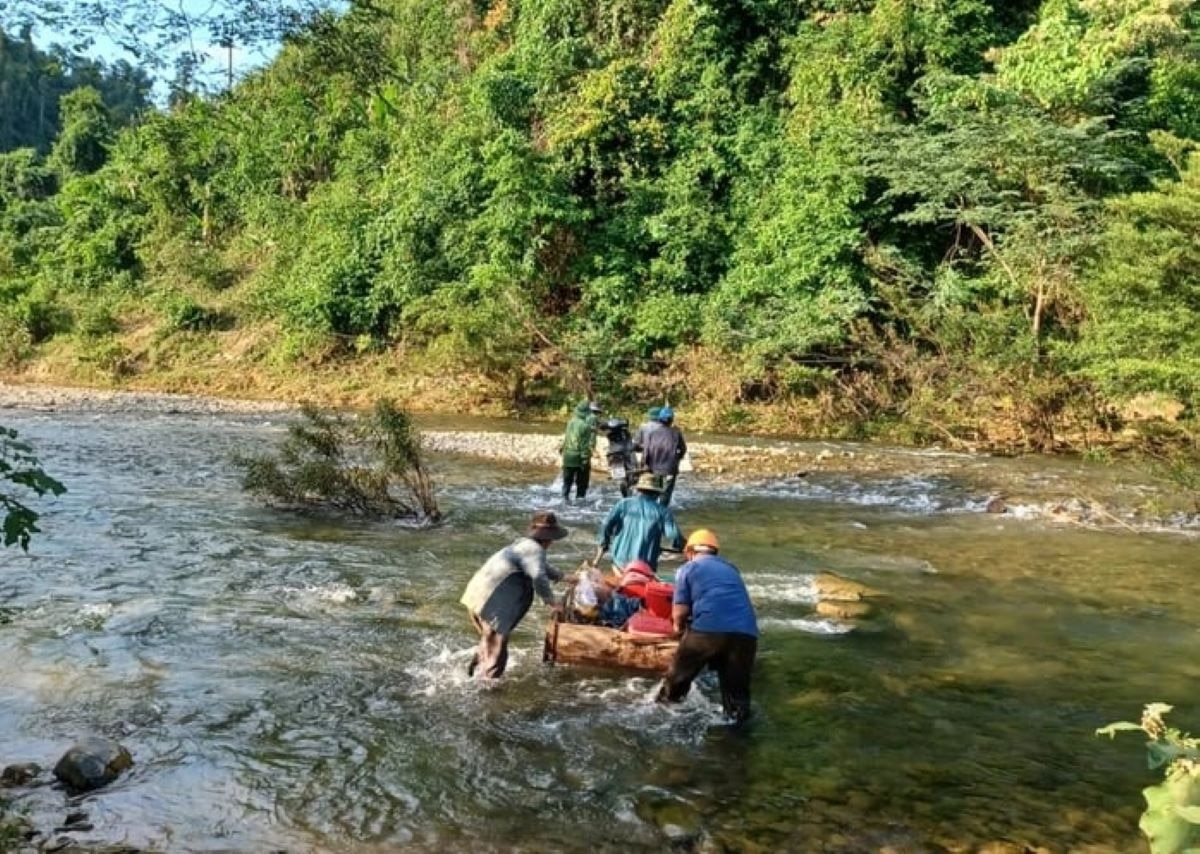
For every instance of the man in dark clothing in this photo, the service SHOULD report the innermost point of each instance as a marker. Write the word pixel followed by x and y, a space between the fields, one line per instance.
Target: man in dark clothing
pixel 577 446
pixel 500 593
pixel 712 611
pixel 648 426
pixel 662 448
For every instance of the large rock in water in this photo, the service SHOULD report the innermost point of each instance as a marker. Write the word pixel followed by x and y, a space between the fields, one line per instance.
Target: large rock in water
pixel 92 763
pixel 834 588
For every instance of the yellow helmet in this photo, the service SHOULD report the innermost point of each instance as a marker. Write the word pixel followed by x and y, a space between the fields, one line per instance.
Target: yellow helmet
pixel 701 537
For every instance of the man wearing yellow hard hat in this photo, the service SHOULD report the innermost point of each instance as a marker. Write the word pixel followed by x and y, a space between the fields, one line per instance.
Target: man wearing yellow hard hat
pixel 711 610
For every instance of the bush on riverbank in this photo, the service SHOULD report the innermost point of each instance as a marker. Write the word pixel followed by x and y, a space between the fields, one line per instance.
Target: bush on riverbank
pixel 368 467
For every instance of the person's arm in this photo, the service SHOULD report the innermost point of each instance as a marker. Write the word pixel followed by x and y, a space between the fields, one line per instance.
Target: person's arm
pixel 681 448
pixel 680 615
pixel 671 530
pixel 610 528
pixel 589 445
pixel 681 600
pixel 534 564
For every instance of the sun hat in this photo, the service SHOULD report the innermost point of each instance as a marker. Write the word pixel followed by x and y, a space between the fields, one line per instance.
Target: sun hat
pixel 648 482
pixel 544 526
pixel 593 406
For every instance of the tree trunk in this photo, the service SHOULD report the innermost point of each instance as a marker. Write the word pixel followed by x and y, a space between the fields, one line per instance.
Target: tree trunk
pixel 597 646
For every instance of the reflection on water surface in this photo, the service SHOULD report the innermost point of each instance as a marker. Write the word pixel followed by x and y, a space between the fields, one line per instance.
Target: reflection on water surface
pixel 298 683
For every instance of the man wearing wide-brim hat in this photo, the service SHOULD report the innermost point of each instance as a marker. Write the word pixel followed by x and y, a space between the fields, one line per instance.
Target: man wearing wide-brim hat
pixel 499 594
pixel 637 525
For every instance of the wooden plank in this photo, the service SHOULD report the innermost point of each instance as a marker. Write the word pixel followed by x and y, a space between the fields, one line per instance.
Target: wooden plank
pixel 598 646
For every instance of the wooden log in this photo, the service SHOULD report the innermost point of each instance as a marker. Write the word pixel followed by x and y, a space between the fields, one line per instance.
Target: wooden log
pixel 598 646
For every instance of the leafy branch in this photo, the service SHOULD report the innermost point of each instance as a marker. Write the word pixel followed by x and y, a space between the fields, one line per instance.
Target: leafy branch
pixel 1171 822
pixel 20 467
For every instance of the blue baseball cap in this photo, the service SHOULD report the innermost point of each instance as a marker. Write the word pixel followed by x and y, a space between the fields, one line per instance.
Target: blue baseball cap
pixel 666 413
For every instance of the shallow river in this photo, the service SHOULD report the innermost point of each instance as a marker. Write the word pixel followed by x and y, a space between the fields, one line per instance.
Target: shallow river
pixel 285 683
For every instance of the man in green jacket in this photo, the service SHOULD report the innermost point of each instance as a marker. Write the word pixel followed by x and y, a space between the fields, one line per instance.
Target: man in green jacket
pixel 577 445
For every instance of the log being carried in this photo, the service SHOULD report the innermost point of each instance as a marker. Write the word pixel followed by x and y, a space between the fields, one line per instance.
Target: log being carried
pixel 600 646
pixel 645 642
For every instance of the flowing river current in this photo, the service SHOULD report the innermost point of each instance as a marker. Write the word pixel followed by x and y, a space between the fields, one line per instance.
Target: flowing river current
pixel 289 683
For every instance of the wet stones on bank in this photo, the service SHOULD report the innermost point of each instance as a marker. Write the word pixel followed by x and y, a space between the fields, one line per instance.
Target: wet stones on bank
pixel 91 764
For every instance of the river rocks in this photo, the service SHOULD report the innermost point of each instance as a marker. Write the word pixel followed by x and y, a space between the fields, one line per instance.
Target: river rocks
pixel 843 610
pixel 20 774
pixel 996 504
pixel 834 588
pixel 845 601
pixel 92 763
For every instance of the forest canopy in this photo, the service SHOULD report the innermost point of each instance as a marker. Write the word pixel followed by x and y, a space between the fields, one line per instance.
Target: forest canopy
pixel 934 213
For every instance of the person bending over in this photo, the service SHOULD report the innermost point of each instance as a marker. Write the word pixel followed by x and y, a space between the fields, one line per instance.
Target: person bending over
pixel 501 591
pixel 715 618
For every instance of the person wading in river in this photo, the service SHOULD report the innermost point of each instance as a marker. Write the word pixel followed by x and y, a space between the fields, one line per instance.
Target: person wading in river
pixel 662 448
pixel 636 526
pixel 712 612
pixel 501 591
pixel 577 446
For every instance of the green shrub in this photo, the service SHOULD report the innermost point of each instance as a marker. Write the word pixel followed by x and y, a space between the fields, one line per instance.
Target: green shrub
pixel 368 467
pixel 110 357
pixel 182 314
pixel 16 344
pixel 97 321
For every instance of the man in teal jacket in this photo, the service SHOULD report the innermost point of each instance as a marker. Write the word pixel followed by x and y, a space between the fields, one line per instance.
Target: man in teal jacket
pixel 577 445
pixel 637 525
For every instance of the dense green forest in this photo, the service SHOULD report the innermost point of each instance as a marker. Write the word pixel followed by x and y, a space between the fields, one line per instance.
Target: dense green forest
pixel 957 219
pixel 33 82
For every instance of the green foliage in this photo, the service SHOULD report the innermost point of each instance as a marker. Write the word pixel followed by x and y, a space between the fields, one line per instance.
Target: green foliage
pixel 1143 294
pixel 33 81
pixel 1008 187
pixel 16 344
pixel 1171 821
pixel 21 477
pixel 182 314
pixel 356 466
pixel 82 145
pixel 1081 50
pixel 881 206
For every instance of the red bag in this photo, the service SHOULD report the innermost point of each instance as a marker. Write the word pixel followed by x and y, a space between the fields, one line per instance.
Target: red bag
pixel 658 598
pixel 645 623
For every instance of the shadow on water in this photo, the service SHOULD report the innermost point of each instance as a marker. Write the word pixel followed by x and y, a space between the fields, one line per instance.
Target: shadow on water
pixel 300 683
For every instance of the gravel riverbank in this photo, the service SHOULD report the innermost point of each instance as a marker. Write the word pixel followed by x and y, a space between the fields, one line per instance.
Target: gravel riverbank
pixel 714 458
pixel 1095 497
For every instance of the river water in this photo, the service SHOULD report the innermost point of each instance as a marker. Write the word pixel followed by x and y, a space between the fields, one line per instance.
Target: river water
pixel 299 684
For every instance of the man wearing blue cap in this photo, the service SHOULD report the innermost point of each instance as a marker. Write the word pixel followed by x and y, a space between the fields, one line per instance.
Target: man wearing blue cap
pixel 662 447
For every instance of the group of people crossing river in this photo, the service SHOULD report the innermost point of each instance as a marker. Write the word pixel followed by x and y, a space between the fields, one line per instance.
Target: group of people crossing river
pixel 711 612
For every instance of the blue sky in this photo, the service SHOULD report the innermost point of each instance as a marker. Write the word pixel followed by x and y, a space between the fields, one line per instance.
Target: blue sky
pixel 214 58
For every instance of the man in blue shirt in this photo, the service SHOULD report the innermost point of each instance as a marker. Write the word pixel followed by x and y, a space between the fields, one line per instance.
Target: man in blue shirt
pixel 636 526
pixel 712 611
